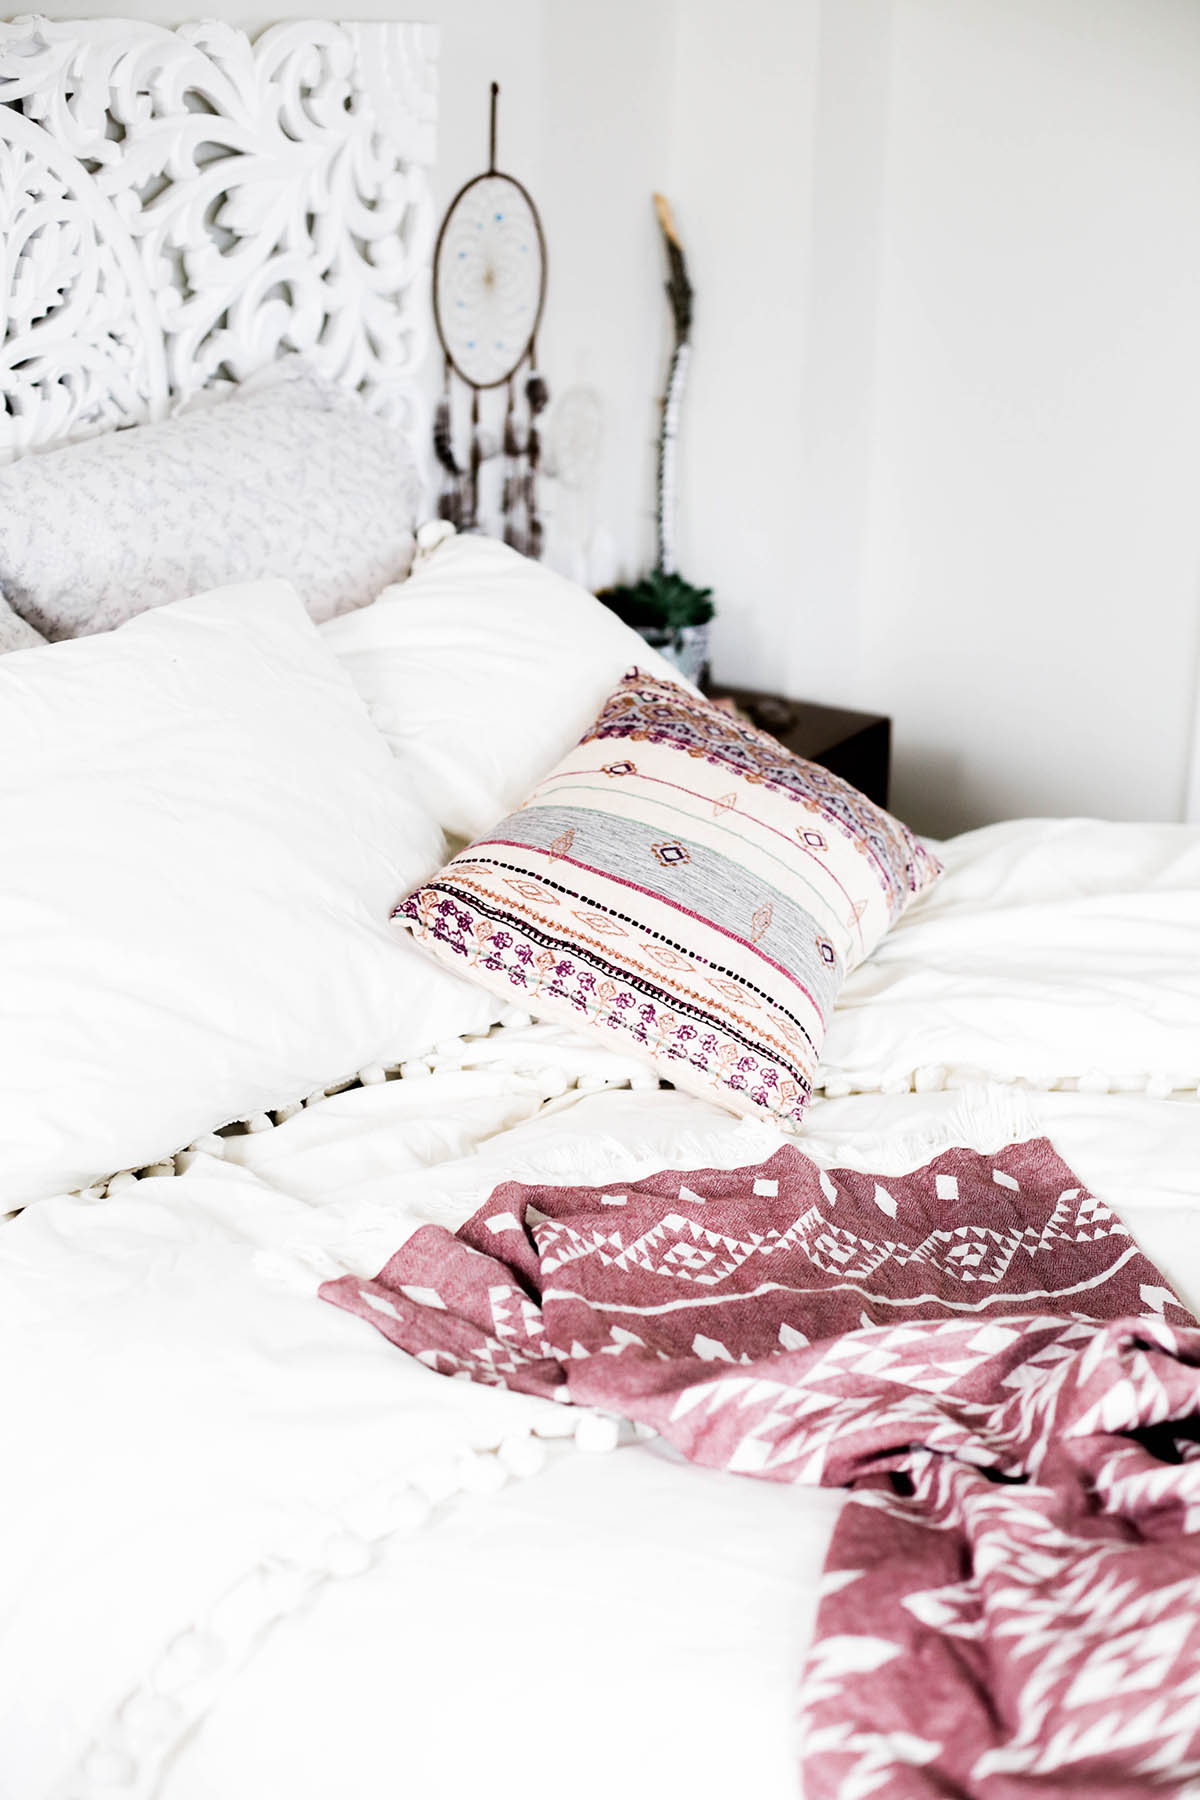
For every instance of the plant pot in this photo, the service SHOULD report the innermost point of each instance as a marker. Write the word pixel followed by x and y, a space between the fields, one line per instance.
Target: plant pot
pixel 686 648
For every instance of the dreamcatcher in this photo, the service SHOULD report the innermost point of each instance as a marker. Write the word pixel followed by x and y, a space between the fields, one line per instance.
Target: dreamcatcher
pixel 489 286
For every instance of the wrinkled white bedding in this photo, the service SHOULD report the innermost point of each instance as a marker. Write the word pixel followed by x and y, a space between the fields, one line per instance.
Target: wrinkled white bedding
pixel 252 1551
pixel 1053 951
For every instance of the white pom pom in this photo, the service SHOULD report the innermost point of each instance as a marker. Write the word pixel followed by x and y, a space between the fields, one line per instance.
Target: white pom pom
pixel 837 1087
pixel 280 1587
pixel 407 1511
pixel 157 1171
pixel 930 1078
pixel 345 1554
pixel 110 1767
pixel 591 1084
pixel 433 534
pixel 372 1075
pixel 522 1455
pixel 481 1474
pixel 151 1718
pixel 560 1424
pixel 643 1079
pixel 596 1434
pixel 191 1655
pixel 284 1113
pixel 260 1122
pixel 123 1184
pixel 437 1480
pixel 552 1082
pixel 209 1145
pixel 515 1018
pixel 409 1070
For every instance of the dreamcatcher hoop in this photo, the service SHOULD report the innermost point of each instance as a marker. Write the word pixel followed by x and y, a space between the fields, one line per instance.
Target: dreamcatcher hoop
pixel 489 280
pixel 489 292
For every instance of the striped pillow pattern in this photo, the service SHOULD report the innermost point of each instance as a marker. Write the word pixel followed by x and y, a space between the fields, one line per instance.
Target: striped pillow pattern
pixel 685 885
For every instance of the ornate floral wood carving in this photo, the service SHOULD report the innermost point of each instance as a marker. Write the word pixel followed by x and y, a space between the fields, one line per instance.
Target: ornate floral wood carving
pixel 180 206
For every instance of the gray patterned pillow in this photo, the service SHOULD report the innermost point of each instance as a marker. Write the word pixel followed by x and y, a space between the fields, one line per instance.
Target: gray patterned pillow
pixel 289 477
pixel 15 634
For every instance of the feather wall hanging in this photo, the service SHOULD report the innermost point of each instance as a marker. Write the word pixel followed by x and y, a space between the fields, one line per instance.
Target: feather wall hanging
pixel 489 289
pixel 671 612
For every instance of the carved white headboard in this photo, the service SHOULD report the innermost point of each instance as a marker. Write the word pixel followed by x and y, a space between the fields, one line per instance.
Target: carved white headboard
pixel 178 206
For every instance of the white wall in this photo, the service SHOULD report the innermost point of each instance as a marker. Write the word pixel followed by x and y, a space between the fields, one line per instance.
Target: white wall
pixel 943 452
pixel 605 149
pixel 1033 553
pixel 942 440
pixel 583 122
pixel 742 183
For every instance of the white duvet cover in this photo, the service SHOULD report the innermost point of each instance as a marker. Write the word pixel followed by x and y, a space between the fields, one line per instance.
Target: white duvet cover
pixel 1053 951
pixel 253 1552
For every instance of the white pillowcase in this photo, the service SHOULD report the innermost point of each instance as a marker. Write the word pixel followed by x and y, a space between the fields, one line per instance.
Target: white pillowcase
pixel 1053 951
pixel 289 476
pixel 203 835
pixel 15 634
pixel 482 670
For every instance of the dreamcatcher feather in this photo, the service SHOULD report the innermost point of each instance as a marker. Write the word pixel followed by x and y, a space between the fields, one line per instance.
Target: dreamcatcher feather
pixel 489 287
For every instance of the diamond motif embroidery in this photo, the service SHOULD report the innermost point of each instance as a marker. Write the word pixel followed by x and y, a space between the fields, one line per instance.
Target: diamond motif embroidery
pixel 669 855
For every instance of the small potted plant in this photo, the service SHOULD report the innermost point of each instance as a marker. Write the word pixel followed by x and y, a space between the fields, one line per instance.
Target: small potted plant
pixel 669 612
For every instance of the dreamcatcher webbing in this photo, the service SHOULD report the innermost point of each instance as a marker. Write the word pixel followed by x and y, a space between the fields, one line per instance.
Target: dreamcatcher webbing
pixel 488 294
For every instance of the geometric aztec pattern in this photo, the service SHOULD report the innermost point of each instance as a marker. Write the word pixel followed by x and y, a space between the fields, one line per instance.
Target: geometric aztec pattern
pixel 686 888
pixel 977 1351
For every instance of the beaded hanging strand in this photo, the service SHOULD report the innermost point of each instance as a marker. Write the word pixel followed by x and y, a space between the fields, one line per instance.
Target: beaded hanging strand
pixel 537 395
pixel 511 495
pixel 472 517
pixel 450 497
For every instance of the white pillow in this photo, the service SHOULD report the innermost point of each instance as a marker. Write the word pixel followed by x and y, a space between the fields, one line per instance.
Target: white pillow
pixel 482 670
pixel 1053 951
pixel 203 835
pixel 288 476
pixel 15 634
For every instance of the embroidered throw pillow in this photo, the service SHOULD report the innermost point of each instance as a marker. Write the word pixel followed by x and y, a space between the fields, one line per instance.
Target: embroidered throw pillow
pixel 682 881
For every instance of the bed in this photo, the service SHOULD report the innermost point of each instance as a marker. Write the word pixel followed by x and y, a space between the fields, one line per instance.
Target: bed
pixel 251 1549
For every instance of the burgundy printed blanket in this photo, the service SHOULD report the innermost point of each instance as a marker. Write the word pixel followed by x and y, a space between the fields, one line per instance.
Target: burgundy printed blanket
pixel 978 1351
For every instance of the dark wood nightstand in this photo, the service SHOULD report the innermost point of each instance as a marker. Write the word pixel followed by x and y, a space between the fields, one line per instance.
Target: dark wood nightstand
pixel 855 745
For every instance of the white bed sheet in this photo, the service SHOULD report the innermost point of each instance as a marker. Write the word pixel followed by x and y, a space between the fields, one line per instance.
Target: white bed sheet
pixel 214 1582
pixel 641 1625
